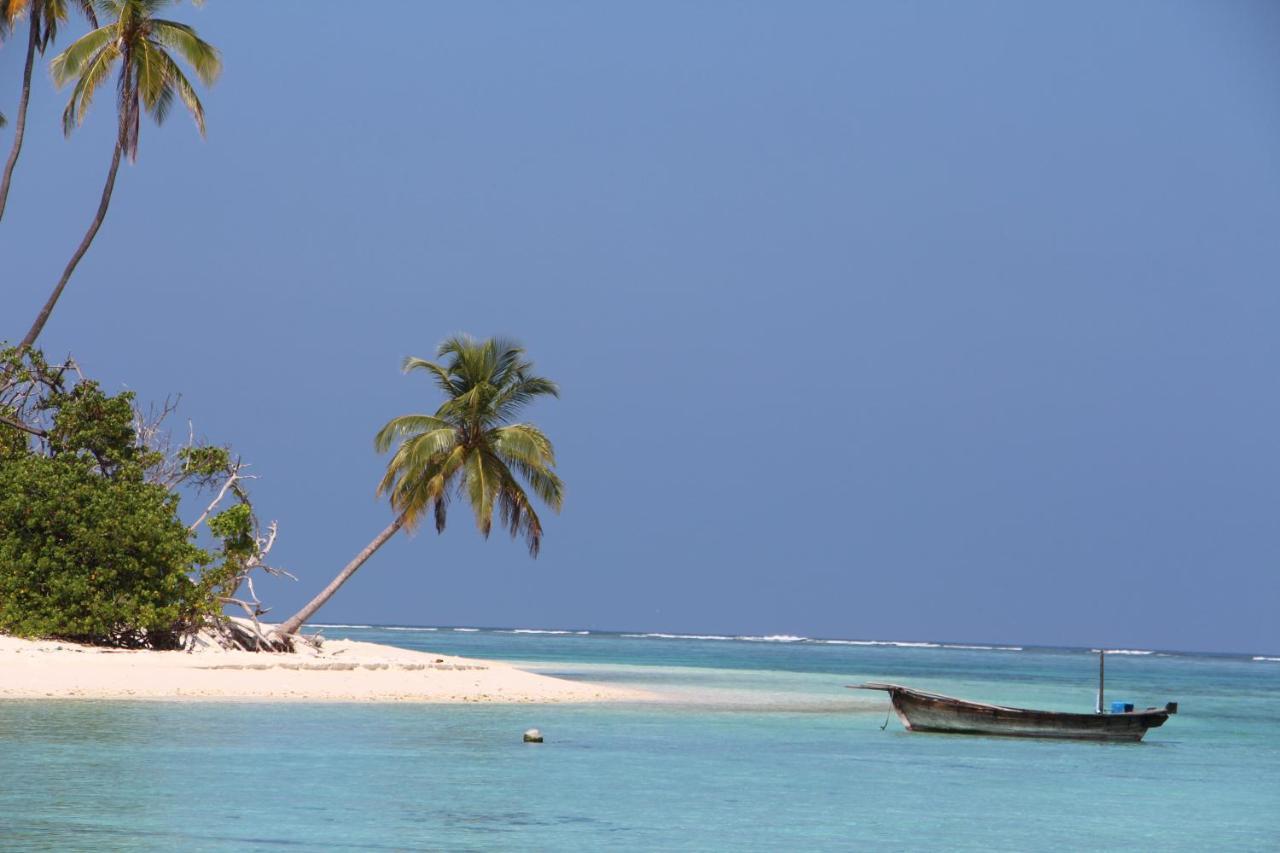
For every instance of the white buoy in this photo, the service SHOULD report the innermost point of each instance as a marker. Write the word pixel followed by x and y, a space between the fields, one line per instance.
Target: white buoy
pixel 533 736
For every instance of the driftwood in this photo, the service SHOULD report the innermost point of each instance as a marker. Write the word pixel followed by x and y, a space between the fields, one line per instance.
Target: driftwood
pixel 243 634
pixel 256 639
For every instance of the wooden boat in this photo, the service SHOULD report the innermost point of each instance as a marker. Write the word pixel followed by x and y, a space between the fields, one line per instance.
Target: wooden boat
pixel 921 711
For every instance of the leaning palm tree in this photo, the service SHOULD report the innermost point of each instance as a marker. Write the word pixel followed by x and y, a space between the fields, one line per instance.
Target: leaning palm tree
pixel 44 16
pixel 148 80
pixel 471 448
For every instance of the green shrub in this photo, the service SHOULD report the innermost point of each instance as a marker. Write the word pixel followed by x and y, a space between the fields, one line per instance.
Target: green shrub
pixel 93 558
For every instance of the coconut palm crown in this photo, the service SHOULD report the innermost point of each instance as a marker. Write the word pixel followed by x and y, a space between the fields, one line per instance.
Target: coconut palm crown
pixel 473 447
pixel 149 76
pixel 46 16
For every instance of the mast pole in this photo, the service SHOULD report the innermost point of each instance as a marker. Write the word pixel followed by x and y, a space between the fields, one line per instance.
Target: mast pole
pixel 1102 666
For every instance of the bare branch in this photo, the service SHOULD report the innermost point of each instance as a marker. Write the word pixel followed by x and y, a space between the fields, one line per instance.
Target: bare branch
pixel 149 425
pixel 16 424
pixel 222 493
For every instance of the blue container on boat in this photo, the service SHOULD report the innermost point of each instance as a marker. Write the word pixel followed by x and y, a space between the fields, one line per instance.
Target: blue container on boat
pixel 1121 707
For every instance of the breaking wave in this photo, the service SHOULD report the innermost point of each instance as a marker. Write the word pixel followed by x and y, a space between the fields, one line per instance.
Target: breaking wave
pixel 898 644
pixel 791 638
pixel 1124 651
pixel 1263 657
pixel 771 638
pixel 982 648
pixel 396 628
pixel 656 636
pixel 335 625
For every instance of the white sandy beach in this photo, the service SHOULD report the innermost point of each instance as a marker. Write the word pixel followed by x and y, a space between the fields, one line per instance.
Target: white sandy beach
pixel 339 671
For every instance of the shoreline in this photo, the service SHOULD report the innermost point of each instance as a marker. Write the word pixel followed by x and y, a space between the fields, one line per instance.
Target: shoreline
pixel 337 671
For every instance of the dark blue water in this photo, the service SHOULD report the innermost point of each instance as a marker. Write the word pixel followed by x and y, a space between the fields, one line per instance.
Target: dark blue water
pixel 758 746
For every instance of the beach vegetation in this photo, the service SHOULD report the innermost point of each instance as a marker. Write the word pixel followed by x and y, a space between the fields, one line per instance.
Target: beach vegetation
pixel 472 448
pixel 93 558
pixel 93 546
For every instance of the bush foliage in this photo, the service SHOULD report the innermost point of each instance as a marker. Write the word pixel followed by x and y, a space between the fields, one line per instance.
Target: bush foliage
pixel 92 558
pixel 92 547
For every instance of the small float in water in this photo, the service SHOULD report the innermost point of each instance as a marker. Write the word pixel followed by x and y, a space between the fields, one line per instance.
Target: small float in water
pixel 921 711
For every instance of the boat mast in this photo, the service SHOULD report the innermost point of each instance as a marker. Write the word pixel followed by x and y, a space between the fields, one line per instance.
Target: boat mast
pixel 1102 665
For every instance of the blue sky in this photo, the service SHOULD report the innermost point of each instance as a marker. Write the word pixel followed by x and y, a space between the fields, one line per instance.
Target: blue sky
pixel 873 320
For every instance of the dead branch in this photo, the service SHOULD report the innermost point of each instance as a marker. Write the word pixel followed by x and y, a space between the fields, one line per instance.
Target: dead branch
pixel 232 477
pixel 16 424
pixel 148 426
pixel 251 637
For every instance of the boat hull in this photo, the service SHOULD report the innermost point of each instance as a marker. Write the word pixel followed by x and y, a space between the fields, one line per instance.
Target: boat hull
pixel 930 712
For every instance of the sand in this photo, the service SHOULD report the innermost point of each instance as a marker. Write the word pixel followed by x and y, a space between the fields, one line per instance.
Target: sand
pixel 339 671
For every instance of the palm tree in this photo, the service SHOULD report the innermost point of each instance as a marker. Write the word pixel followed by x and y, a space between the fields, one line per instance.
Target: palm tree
pixel 44 16
pixel 149 79
pixel 470 448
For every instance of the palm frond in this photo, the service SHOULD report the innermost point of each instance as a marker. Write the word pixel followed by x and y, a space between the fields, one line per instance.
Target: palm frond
pixel 94 72
pixel 507 360
pixel 398 428
pixel 73 61
pixel 10 12
pixel 443 379
pixel 427 488
pixel 428 448
pixel 518 394
pixel 413 497
pixel 110 9
pixel 525 448
pixel 524 441
pixel 186 92
pixel 199 54
pixel 154 87
pixel 456 345
pixel 482 485
pixel 545 483
pixel 418 457
pixel 517 514
pixel 57 12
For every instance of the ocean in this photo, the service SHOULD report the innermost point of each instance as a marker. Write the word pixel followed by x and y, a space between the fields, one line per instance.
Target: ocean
pixel 756 746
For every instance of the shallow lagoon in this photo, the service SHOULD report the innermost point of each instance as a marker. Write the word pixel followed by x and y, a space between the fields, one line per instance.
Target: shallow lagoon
pixel 758 746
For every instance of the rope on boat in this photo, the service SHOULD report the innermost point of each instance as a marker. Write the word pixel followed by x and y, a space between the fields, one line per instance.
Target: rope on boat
pixel 886 719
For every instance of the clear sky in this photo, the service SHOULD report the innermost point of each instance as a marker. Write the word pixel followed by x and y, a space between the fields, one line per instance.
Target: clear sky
pixel 873 320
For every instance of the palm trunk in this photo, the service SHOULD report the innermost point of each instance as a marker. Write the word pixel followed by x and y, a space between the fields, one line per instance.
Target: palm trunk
pixel 43 316
pixel 294 622
pixel 21 124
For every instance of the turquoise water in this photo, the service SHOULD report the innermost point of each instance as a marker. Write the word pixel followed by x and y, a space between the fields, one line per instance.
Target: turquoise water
pixel 757 746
